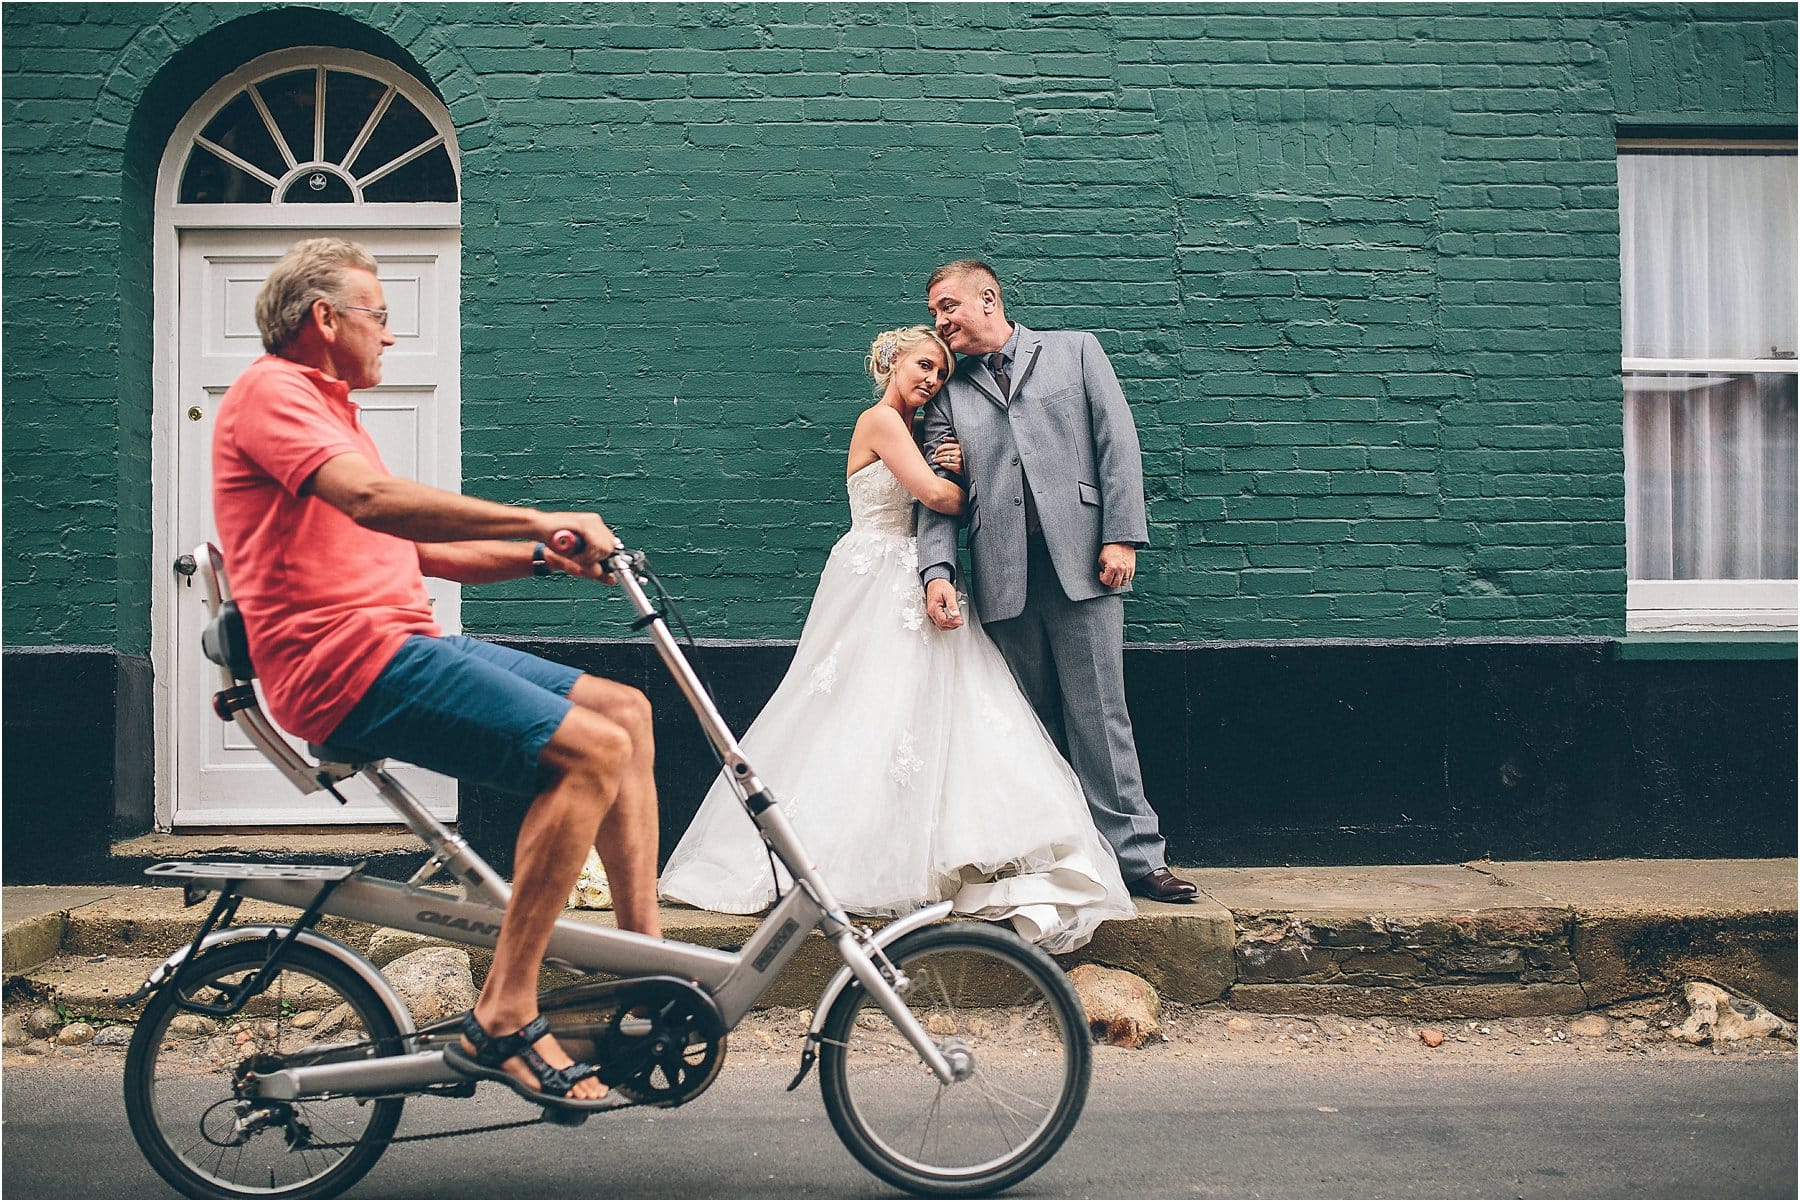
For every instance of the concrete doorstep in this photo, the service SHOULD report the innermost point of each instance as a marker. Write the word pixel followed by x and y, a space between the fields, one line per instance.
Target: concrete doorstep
pixel 1476 940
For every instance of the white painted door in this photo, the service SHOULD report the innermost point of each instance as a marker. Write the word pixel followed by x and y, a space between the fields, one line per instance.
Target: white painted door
pixel 414 417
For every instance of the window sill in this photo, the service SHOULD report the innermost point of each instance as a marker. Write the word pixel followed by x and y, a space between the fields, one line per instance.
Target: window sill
pixel 1716 607
pixel 1708 644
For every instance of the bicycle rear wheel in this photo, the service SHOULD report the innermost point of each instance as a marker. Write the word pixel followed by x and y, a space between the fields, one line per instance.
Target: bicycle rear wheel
pixel 977 990
pixel 206 1140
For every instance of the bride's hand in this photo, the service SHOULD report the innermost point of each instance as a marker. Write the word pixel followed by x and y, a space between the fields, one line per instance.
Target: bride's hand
pixel 940 605
pixel 949 456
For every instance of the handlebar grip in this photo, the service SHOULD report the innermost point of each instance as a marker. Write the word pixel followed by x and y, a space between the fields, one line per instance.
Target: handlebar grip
pixel 568 542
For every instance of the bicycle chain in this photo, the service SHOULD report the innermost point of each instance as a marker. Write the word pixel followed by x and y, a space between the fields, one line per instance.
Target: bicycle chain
pixel 429 1135
pixel 625 1103
pixel 413 1139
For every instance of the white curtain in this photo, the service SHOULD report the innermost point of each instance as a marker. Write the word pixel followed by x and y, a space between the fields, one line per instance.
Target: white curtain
pixel 1709 486
pixel 1708 271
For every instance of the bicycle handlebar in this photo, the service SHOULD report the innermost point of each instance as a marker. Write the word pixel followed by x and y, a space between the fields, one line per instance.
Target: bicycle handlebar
pixel 571 543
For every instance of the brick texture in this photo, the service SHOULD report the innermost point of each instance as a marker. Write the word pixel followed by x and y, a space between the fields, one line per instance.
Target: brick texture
pixel 1357 267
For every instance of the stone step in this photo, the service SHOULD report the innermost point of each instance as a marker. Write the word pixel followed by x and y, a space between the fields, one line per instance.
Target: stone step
pixel 138 920
pixel 1184 951
pixel 85 988
pixel 391 853
pixel 1485 940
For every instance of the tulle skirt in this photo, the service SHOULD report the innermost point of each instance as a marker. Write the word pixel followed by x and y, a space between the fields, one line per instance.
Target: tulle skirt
pixel 912 769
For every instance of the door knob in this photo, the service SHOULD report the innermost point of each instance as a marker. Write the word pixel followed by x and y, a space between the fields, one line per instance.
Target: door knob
pixel 186 566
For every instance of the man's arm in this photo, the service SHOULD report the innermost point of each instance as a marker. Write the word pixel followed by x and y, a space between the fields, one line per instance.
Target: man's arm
pixel 490 562
pixel 476 562
pixel 936 531
pixel 1118 459
pixel 426 515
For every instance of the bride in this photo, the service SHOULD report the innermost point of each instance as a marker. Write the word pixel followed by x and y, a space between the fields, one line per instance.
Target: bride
pixel 905 756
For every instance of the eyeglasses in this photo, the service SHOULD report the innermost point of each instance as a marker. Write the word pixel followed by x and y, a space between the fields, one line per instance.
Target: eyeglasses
pixel 380 315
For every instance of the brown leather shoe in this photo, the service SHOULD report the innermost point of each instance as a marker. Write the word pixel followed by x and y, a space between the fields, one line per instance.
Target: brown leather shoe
pixel 1164 886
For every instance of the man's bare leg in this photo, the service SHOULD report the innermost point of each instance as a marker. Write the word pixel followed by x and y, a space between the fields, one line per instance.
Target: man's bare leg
pixel 628 835
pixel 589 755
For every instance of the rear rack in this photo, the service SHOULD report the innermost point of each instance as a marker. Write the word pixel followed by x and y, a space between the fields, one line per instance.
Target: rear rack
pixel 218 870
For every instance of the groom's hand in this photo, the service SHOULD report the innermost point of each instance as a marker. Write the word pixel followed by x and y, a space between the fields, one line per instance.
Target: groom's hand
pixel 940 605
pixel 1118 564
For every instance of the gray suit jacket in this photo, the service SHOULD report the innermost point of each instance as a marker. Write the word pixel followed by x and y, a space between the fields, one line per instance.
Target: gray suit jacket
pixel 1068 435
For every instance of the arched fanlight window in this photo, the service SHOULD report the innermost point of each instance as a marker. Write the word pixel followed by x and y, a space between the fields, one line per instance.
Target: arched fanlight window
pixel 318 135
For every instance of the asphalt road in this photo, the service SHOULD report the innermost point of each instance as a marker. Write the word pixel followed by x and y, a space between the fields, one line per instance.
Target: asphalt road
pixel 1156 1126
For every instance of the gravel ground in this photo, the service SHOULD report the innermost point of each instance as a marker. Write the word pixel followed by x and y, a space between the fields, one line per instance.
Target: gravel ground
pixel 1219 1034
pixel 1215 1033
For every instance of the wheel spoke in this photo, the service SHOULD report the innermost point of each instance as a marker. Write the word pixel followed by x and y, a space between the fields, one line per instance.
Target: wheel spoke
pixel 180 1093
pixel 981 993
pixel 1001 1108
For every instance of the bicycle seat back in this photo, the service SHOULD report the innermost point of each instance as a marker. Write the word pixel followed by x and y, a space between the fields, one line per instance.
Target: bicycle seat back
pixel 223 641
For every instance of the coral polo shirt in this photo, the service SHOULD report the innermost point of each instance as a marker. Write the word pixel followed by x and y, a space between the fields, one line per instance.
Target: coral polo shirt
pixel 326 603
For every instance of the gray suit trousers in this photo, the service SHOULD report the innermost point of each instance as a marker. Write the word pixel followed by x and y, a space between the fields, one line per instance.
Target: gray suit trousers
pixel 1060 649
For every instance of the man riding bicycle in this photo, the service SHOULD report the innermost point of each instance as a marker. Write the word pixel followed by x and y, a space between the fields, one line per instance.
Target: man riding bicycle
pixel 327 554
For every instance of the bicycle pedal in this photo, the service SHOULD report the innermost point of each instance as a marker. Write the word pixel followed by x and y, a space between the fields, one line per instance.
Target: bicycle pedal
pixel 562 1116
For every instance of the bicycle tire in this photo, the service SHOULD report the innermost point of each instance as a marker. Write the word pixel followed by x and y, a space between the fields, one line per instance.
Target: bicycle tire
pixel 1016 1013
pixel 179 1097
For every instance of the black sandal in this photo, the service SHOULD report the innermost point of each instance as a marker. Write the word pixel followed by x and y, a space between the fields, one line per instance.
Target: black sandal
pixel 492 1051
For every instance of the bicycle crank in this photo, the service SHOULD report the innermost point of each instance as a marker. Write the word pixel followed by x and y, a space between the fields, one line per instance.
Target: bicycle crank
pixel 657 1040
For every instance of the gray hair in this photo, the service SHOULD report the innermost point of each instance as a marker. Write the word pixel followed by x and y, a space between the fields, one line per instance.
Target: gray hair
pixel 316 269
pixel 887 347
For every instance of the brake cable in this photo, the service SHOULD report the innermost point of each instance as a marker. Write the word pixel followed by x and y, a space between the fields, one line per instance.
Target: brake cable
pixel 667 609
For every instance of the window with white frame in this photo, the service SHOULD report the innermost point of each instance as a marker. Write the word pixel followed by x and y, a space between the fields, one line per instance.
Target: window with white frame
pixel 1707 249
pixel 319 135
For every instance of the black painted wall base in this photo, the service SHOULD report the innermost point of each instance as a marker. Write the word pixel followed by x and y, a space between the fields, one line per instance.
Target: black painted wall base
pixel 78 760
pixel 1275 753
pixel 1364 752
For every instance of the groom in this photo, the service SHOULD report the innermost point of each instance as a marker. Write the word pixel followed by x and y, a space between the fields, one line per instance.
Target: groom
pixel 1056 515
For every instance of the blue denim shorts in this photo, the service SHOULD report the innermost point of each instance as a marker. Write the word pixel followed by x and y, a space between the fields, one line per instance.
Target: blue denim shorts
pixel 465 708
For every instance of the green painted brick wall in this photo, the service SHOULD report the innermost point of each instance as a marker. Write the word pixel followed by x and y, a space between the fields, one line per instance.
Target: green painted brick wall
pixel 1357 267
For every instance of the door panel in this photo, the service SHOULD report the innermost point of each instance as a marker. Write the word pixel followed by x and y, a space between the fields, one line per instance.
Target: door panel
pixel 414 418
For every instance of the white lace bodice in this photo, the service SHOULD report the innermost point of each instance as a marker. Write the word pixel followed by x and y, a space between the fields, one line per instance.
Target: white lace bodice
pixel 879 503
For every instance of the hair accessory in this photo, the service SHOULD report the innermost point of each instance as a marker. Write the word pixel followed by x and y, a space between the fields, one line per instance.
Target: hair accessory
pixel 886 347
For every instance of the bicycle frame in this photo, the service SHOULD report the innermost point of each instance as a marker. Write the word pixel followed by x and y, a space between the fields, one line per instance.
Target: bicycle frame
pixel 734 981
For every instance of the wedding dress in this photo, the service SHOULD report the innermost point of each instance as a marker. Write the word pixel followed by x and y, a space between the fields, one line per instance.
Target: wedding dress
pixel 908 761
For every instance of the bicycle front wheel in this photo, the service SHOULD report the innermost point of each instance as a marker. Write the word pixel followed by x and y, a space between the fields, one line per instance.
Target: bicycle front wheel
pixel 181 1070
pixel 985 995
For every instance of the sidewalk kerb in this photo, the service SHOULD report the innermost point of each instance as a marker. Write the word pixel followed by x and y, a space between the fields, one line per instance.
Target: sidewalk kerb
pixel 1478 940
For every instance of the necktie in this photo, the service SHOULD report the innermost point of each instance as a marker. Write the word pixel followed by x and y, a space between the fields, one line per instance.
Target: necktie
pixel 996 363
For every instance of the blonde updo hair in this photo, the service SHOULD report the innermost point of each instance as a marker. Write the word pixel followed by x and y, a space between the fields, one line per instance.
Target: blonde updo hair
pixel 888 345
